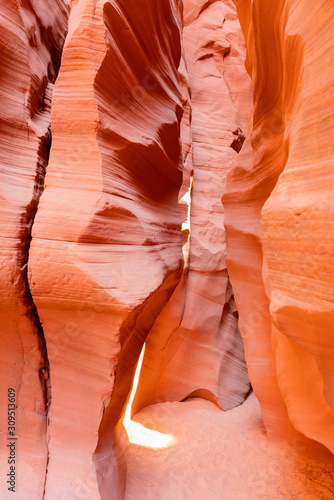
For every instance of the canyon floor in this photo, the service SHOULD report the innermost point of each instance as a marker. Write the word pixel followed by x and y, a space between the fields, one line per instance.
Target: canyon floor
pixel 193 450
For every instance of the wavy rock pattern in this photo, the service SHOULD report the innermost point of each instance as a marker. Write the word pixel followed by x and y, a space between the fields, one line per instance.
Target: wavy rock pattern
pixel 195 348
pixel 31 38
pixel 302 311
pixel 276 216
pixel 101 273
pixel 129 240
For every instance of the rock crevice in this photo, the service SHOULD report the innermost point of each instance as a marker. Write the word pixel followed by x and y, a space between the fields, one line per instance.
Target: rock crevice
pixel 184 208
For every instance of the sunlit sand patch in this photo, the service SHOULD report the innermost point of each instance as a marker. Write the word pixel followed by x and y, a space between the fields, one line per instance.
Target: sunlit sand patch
pixel 138 433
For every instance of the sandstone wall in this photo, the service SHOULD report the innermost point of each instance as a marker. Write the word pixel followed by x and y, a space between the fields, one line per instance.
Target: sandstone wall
pixel 194 347
pixel 104 267
pixel 31 37
pixel 185 204
pixel 279 211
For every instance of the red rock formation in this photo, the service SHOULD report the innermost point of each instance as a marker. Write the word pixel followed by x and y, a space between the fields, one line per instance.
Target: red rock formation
pixel 105 267
pixel 147 89
pixel 302 310
pixel 195 345
pixel 31 38
pixel 274 221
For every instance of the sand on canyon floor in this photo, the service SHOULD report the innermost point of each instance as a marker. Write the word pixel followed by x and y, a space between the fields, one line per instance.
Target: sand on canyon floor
pixel 195 451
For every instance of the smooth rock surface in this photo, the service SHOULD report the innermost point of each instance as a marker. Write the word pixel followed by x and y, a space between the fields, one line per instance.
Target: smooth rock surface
pixel 279 221
pixel 187 207
pixel 300 257
pixel 195 346
pixel 31 38
pixel 104 268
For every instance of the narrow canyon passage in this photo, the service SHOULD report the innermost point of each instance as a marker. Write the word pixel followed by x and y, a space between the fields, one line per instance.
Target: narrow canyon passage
pixel 166 189
pixel 194 450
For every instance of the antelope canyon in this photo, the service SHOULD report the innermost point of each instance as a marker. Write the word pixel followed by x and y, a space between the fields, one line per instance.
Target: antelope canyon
pixel 167 250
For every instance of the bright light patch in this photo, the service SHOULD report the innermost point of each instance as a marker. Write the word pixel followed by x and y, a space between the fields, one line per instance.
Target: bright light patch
pixel 138 433
pixel 186 200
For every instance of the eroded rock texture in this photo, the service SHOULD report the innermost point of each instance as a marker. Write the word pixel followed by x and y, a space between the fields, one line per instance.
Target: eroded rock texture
pixel 104 268
pixel 279 218
pixel 195 347
pixel 150 112
pixel 31 38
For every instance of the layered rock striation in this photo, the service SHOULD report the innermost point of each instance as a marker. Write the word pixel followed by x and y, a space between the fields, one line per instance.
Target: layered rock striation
pixel 279 221
pixel 184 210
pixel 103 270
pixel 195 347
pixel 32 34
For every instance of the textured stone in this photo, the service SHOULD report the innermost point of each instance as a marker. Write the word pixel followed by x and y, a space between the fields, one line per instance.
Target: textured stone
pixel 31 38
pixel 174 215
pixel 279 214
pixel 104 268
pixel 195 346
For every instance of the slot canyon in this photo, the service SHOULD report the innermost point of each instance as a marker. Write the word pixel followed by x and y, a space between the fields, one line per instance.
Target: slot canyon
pixel 167 249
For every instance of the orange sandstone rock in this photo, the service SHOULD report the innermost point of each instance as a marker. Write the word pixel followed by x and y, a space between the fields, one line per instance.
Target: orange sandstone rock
pixel 106 251
pixel 280 272
pixel 31 38
pixel 299 255
pixel 194 347
pixel 127 249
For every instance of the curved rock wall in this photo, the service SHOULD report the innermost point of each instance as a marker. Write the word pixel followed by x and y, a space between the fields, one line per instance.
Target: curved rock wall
pixel 105 267
pixel 195 348
pixel 131 244
pixel 278 221
pixel 300 261
pixel 31 37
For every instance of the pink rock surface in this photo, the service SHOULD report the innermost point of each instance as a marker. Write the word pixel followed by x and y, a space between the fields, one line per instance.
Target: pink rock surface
pixel 195 346
pixel 300 257
pixel 105 267
pixel 153 230
pixel 31 37
pixel 276 216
